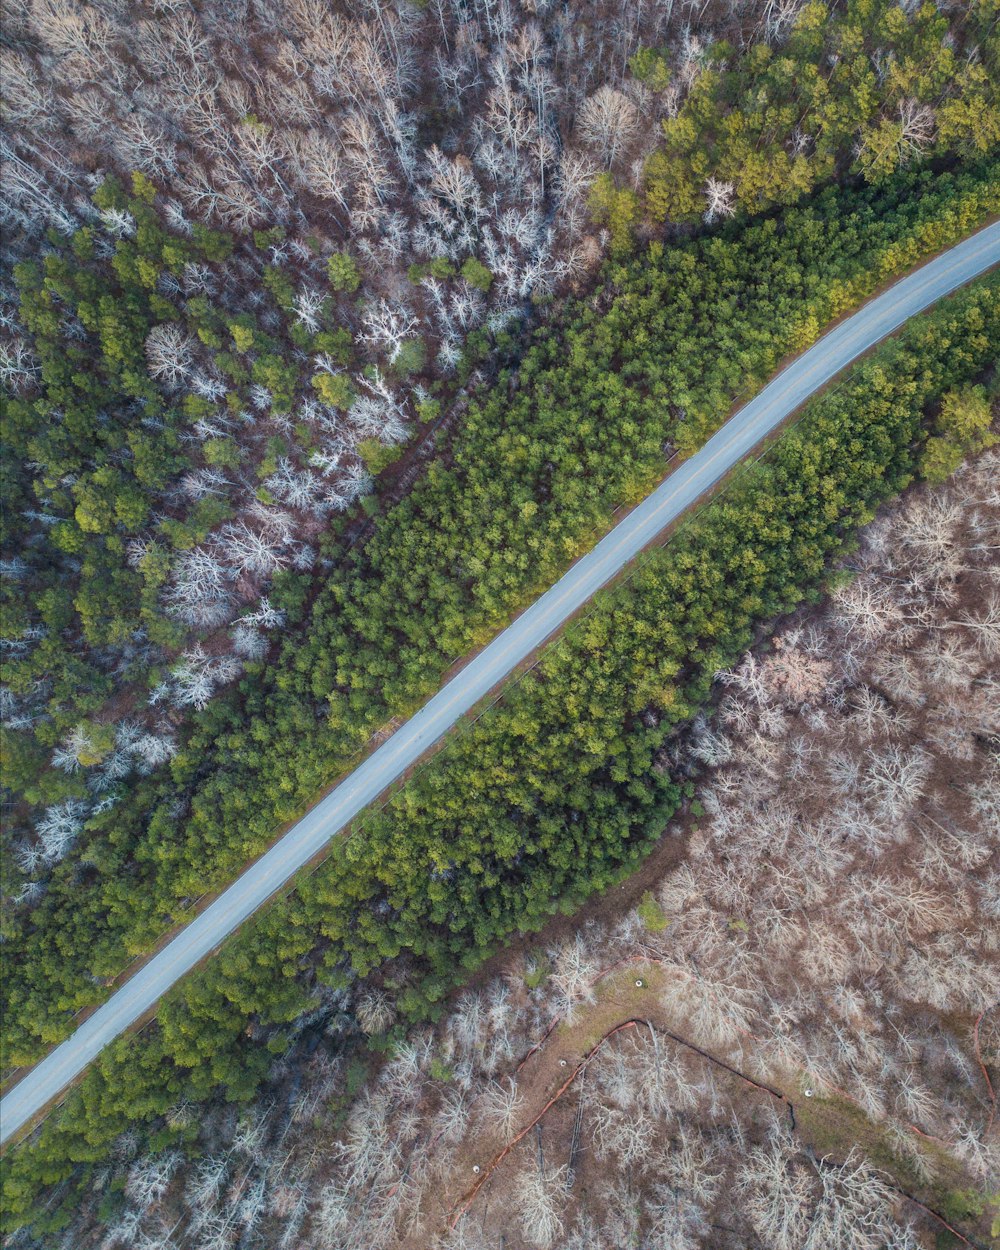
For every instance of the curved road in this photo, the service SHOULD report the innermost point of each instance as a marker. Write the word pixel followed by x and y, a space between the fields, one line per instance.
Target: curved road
pixel 725 449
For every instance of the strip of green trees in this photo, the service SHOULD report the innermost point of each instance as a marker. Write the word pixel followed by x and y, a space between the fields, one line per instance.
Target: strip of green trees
pixel 653 361
pixel 556 791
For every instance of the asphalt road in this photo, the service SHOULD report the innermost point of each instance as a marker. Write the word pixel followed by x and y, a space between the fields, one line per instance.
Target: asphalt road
pixel 734 440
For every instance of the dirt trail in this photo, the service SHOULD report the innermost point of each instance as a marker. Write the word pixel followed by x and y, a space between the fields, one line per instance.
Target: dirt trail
pixel 628 1001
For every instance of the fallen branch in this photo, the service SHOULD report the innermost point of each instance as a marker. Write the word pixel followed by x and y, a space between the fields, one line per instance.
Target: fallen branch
pixel 982 1066
pixel 463 1204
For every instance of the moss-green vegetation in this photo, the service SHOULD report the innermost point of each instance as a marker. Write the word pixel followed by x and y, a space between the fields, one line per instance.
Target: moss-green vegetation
pixel 652 914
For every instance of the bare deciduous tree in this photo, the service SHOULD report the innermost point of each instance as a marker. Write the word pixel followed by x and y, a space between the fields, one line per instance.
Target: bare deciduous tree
pixel 542 1196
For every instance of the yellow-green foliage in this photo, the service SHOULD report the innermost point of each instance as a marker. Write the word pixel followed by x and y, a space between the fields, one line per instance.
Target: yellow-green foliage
pixel 777 120
pixel 961 429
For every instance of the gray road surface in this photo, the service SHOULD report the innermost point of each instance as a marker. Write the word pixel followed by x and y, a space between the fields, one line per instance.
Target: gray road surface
pixel 732 442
